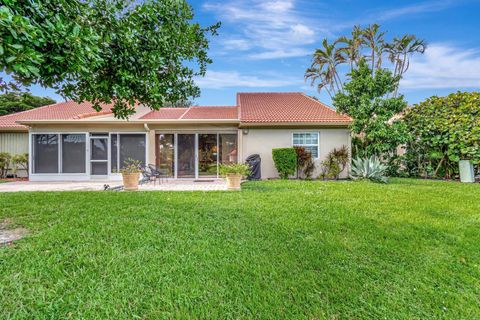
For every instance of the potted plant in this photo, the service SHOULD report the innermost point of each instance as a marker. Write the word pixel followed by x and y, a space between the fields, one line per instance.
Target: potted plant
pixel 234 173
pixel 131 174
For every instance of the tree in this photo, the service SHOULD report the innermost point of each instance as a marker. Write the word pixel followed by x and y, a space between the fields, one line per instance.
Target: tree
pixel 400 50
pixel 373 38
pixel 443 130
pixel 351 48
pixel 324 65
pixel 369 44
pixel 106 51
pixel 366 101
pixel 12 102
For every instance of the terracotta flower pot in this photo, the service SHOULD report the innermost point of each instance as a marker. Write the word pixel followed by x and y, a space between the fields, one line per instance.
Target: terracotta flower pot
pixel 233 181
pixel 130 181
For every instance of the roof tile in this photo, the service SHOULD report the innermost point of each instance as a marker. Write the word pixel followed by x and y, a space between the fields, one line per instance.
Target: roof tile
pixel 165 113
pixel 229 113
pixel 273 107
pixel 58 111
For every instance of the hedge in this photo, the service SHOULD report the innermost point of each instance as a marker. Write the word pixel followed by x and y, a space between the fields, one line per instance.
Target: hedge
pixel 285 160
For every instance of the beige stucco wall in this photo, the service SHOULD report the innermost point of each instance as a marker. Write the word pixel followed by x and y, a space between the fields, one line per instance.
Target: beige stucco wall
pixel 262 141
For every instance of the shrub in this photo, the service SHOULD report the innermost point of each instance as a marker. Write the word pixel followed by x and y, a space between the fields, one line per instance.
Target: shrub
pixel 285 160
pixel 335 163
pixel 5 159
pixel 305 164
pixel 443 131
pixel 369 168
pixel 234 168
pixel 20 161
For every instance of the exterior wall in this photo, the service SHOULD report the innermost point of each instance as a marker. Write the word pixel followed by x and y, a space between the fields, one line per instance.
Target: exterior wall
pixel 250 141
pixel 14 143
pixel 262 141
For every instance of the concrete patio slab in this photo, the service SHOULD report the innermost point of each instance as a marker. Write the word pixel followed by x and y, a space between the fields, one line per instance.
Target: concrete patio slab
pixel 173 185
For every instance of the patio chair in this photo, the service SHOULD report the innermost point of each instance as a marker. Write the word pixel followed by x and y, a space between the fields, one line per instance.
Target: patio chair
pixel 148 175
pixel 159 173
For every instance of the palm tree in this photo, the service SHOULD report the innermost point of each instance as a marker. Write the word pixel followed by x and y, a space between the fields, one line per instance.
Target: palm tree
pixel 324 67
pixel 353 46
pixel 400 50
pixel 374 40
pixel 316 75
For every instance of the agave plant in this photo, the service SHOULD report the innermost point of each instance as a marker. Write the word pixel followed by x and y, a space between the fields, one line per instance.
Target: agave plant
pixel 369 168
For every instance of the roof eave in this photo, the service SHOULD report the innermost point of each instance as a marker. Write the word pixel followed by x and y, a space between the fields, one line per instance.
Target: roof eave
pixel 129 122
pixel 13 129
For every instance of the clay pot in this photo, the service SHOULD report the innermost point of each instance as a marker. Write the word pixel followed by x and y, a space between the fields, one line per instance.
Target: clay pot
pixel 233 181
pixel 130 181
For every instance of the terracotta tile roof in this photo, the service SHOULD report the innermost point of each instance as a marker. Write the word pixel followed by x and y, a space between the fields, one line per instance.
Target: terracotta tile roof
pixel 278 107
pixel 58 111
pixel 230 113
pixel 165 113
pixel 210 112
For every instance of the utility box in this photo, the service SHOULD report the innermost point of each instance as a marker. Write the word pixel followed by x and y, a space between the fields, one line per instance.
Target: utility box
pixel 466 171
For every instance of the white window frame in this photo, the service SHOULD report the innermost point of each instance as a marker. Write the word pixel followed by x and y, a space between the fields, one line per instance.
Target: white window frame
pixel 60 160
pixel 310 144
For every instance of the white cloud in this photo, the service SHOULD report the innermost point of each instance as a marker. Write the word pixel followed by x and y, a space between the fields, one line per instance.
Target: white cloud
pixel 271 29
pixel 278 6
pixel 444 66
pixel 225 79
pixel 281 53
pixel 424 7
pixel 237 44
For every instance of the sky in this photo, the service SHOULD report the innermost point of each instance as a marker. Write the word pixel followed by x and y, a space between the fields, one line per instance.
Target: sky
pixel 267 45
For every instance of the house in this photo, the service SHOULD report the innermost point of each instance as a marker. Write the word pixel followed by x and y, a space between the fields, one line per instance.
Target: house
pixel 71 141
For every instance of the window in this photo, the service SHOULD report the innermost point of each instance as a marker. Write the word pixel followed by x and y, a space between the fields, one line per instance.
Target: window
pixel 132 146
pixel 308 140
pixel 165 153
pixel 228 148
pixel 125 146
pixel 45 153
pixel 73 153
pixel 59 153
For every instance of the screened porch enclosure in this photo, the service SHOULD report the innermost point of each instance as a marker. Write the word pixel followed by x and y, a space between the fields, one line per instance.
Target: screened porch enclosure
pixel 194 155
pixel 94 154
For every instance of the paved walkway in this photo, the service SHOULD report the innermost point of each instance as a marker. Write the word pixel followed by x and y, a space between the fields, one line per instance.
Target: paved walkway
pixel 172 185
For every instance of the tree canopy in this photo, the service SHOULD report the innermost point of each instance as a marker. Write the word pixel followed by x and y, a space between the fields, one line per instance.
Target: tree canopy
pixel 334 60
pixel 368 99
pixel 12 102
pixel 106 51
pixel 443 130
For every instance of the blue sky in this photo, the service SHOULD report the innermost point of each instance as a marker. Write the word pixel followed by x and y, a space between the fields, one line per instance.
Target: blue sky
pixel 267 45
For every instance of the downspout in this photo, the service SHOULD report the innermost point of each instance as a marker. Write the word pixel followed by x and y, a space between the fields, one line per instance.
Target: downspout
pixel 145 125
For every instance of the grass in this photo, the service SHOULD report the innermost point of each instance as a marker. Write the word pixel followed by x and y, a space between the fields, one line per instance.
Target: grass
pixel 277 249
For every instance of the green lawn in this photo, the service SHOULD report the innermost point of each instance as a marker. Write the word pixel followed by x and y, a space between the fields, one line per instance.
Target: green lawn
pixel 292 250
